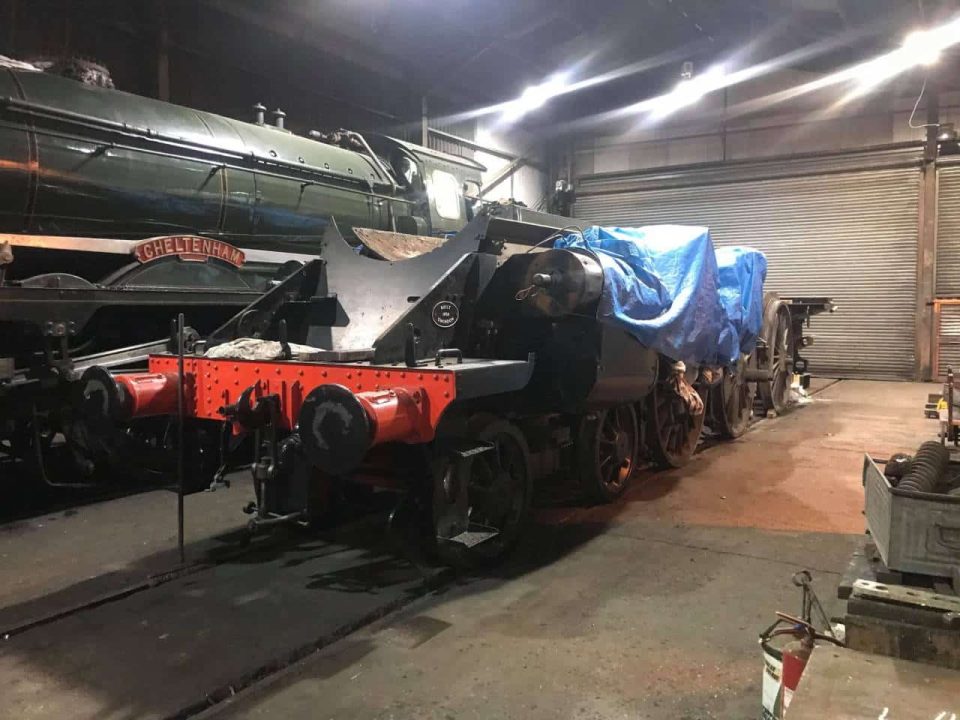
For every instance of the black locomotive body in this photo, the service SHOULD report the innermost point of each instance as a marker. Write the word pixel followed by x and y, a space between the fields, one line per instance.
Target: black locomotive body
pixel 458 377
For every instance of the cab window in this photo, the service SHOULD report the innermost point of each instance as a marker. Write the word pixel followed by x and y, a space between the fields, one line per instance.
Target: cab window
pixel 406 170
pixel 446 194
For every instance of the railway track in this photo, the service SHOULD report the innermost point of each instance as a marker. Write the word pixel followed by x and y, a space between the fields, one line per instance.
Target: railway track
pixel 151 581
pixel 202 632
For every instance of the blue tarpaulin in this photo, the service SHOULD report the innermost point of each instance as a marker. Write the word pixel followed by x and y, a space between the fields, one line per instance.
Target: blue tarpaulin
pixel 742 272
pixel 663 284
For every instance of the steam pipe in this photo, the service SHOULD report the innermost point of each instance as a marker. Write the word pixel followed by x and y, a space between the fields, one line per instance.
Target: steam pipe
pixel 373 156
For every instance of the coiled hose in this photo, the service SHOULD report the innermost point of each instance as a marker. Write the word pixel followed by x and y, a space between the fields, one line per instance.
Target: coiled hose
pixel 927 468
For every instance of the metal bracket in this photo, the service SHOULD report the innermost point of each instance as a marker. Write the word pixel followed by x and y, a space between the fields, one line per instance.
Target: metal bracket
pixel 410 346
pixel 219 477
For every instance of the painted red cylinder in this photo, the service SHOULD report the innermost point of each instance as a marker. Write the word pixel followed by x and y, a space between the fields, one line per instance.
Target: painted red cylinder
pixel 146 394
pixel 396 414
pixel 796 653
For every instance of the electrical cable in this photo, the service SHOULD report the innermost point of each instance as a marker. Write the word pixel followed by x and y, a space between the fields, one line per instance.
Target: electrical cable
pixel 557 235
pixel 923 87
pixel 923 19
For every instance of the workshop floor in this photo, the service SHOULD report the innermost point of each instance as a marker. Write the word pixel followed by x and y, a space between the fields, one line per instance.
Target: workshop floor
pixel 69 557
pixel 648 609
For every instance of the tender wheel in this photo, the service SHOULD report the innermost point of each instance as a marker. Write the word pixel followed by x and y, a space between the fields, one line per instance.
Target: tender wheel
pixel 732 401
pixel 777 355
pixel 607 452
pixel 672 431
pixel 499 489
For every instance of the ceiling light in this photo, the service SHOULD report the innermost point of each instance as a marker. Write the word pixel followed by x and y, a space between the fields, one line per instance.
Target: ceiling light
pixel 921 48
pixel 687 92
pixel 534 97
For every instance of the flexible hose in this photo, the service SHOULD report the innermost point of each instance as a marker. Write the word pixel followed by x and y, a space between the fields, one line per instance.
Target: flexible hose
pixel 928 466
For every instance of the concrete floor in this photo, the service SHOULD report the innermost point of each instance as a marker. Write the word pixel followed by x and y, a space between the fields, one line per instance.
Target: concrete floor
pixel 648 608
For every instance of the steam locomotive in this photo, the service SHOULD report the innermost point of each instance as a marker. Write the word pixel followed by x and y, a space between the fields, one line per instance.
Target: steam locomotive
pixel 119 211
pixel 455 378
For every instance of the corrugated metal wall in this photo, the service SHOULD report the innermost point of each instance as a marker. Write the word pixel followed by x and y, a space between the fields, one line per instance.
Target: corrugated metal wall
pixel 948 231
pixel 948 353
pixel 850 235
pixel 466 129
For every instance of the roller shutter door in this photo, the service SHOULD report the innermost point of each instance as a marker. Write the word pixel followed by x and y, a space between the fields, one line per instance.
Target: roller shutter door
pixel 948 342
pixel 948 231
pixel 849 235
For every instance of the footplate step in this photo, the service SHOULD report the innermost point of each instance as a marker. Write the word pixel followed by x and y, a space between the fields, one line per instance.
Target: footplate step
pixel 474 536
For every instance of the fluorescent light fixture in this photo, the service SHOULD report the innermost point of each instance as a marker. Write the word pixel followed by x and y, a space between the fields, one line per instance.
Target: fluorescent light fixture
pixel 535 96
pixel 920 48
pixel 687 92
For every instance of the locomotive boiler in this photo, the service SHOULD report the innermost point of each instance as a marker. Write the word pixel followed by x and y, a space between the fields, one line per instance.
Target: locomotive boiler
pixel 456 378
pixel 86 161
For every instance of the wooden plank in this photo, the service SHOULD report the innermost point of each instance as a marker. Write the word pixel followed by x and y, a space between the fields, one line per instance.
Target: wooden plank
pixel 841 684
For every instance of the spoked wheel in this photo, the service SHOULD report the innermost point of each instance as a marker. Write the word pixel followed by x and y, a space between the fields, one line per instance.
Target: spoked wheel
pixel 672 431
pixel 499 488
pixel 777 356
pixel 607 449
pixel 732 402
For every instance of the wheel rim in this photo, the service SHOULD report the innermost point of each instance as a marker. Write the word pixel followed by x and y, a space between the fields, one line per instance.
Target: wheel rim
pixel 498 490
pixel 616 448
pixel 736 396
pixel 781 361
pixel 675 430
pixel 777 359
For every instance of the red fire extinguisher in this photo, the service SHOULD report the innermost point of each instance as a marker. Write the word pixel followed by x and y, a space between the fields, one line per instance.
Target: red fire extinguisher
pixel 796 653
pixel 784 664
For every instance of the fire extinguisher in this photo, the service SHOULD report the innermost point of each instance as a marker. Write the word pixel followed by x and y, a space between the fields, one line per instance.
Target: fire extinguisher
pixel 796 654
pixel 784 665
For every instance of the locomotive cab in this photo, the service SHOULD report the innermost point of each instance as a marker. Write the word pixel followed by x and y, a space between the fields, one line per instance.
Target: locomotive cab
pixel 443 188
